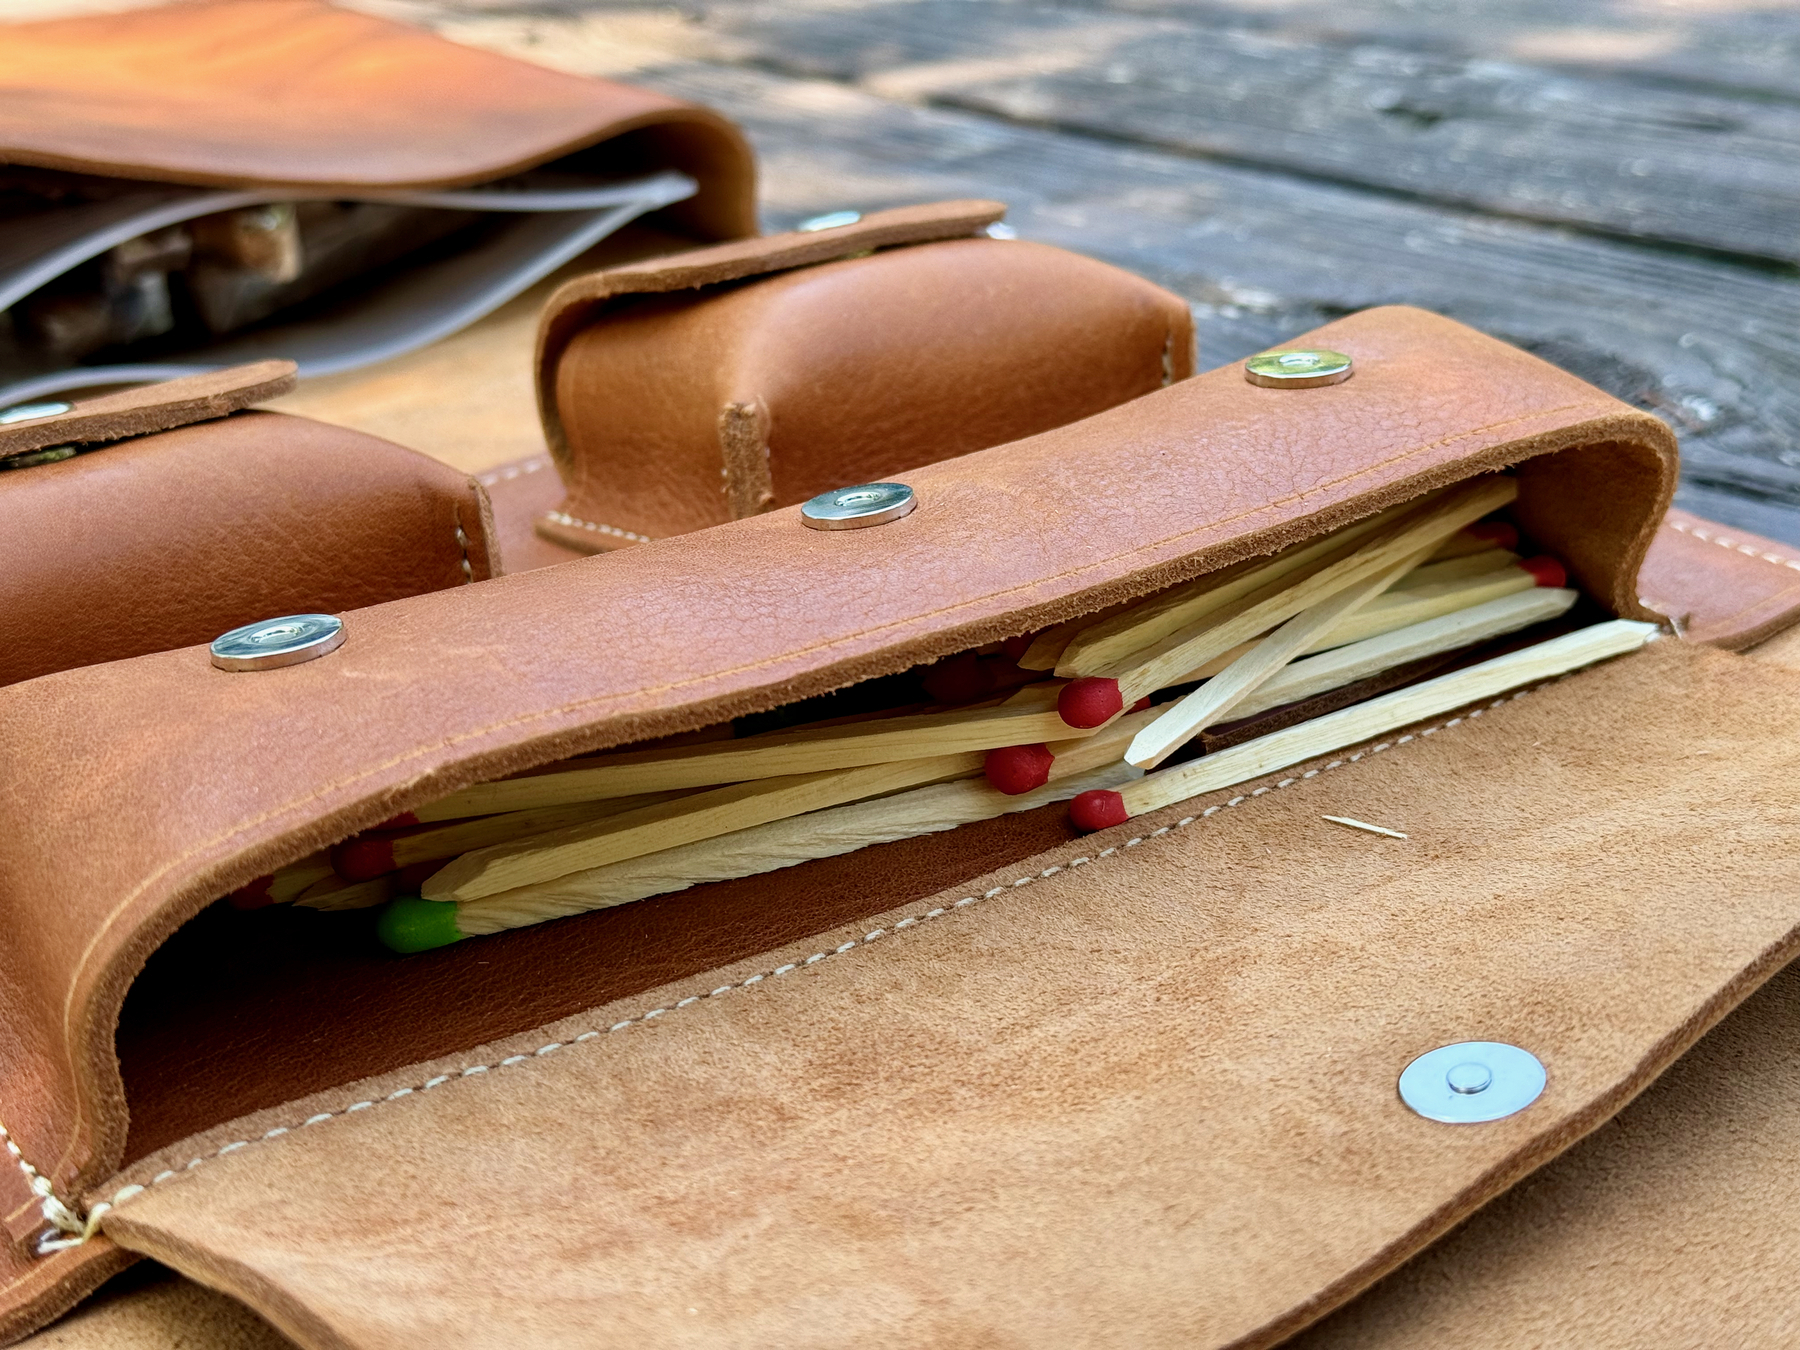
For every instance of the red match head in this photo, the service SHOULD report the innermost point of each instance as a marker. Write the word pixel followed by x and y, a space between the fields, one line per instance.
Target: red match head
pixel 1017 769
pixel 1545 570
pixel 960 679
pixel 1090 702
pixel 254 895
pixel 363 859
pixel 1098 809
pixel 1015 647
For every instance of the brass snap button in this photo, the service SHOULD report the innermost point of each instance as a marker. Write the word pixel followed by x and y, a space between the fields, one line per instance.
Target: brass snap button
pixel 1298 369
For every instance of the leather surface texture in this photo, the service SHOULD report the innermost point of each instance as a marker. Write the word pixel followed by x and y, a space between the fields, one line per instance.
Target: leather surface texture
pixel 1143 1098
pixel 302 93
pixel 171 539
pixel 691 407
pixel 136 793
pixel 152 407
pixel 1721 586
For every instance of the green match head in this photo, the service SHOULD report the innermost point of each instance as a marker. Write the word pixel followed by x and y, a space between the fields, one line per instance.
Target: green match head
pixel 409 924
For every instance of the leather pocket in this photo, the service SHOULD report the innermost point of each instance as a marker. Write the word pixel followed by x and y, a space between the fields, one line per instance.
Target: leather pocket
pixel 435 693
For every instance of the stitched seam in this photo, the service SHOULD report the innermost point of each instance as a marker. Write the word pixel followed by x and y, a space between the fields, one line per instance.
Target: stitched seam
pixel 565 709
pixel 462 546
pixel 57 1214
pixel 132 1191
pixel 564 518
pixel 1748 550
pixel 513 471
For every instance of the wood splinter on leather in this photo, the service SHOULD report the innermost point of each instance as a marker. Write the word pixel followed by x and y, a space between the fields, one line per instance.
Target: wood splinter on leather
pixel 1319 646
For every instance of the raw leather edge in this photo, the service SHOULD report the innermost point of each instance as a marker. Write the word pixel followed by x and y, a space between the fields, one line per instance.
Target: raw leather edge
pixel 156 407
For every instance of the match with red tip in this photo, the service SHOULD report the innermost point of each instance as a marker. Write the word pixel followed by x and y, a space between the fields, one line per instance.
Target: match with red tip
pixel 1091 701
pixel 1546 571
pixel 363 859
pixel 1098 809
pixel 1018 769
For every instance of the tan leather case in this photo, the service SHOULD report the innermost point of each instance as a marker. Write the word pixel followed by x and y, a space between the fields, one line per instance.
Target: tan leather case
pixel 686 392
pixel 998 1086
pixel 204 92
pixel 218 517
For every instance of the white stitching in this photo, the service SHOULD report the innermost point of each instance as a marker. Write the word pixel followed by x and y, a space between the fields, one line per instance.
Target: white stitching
pixel 513 471
pixel 564 518
pixel 128 1192
pixel 1748 550
pixel 59 1216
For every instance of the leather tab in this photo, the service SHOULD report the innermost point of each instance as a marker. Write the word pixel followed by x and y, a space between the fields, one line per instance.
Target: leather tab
pixel 152 407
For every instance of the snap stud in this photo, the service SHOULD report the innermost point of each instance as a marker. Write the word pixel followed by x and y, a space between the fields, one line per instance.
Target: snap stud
pixel 1298 369
pixel 831 220
pixel 33 412
pixel 274 643
pixel 1472 1082
pixel 855 508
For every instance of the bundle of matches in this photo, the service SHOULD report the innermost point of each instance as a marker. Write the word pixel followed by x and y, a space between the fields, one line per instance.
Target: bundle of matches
pixel 1288 640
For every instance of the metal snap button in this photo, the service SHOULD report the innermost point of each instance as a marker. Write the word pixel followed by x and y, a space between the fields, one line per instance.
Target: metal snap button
pixel 1298 369
pixel 1471 1082
pixel 274 643
pixel 855 508
pixel 33 412
pixel 831 220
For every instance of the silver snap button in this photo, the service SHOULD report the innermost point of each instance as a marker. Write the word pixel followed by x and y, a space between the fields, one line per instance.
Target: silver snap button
pixel 274 643
pixel 1469 1079
pixel 1471 1082
pixel 855 508
pixel 33 412
pixel 1298 369
pixel 831 220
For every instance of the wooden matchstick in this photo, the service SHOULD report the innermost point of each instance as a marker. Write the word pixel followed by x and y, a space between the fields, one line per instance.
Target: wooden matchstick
pixel 1411 602
pixel 1047 650
pixel 1030 714
pixel 1279 750
pixel 1092 700
pixel 1210 703
pixel 704 815
pixel 371 855
pixel 411 925
pixel 282 886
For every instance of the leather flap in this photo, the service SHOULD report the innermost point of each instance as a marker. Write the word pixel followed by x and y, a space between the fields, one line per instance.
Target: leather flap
pixel 135 794
pixel 151 407
pixel 1138 1091
pixel 301 93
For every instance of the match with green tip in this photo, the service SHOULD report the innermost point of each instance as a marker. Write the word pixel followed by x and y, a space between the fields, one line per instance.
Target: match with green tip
pixel 410 924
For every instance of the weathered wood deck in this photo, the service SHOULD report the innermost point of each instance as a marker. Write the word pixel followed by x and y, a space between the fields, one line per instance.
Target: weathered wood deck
pixel 1613 184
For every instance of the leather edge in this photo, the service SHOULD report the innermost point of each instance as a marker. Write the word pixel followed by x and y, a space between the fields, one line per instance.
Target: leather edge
pixel 157 407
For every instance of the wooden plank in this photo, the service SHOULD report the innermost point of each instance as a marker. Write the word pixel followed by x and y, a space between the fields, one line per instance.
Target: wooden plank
pixel 1692 167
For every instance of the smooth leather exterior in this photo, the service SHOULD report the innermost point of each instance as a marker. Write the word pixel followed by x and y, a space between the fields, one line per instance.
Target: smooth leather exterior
pixel 1136 1091
pixel 171 539
pixel 1721 586
pixel 439 691
pixel 301 93
pixel 680 410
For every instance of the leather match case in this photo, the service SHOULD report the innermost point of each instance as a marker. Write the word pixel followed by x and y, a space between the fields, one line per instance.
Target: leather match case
pixel 186 514
pixel 998 1085
pixel 200 184
pixel 684 392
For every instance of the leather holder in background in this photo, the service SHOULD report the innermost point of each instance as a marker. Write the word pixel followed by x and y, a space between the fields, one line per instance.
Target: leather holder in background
pixel 686 392
pixel 188 515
